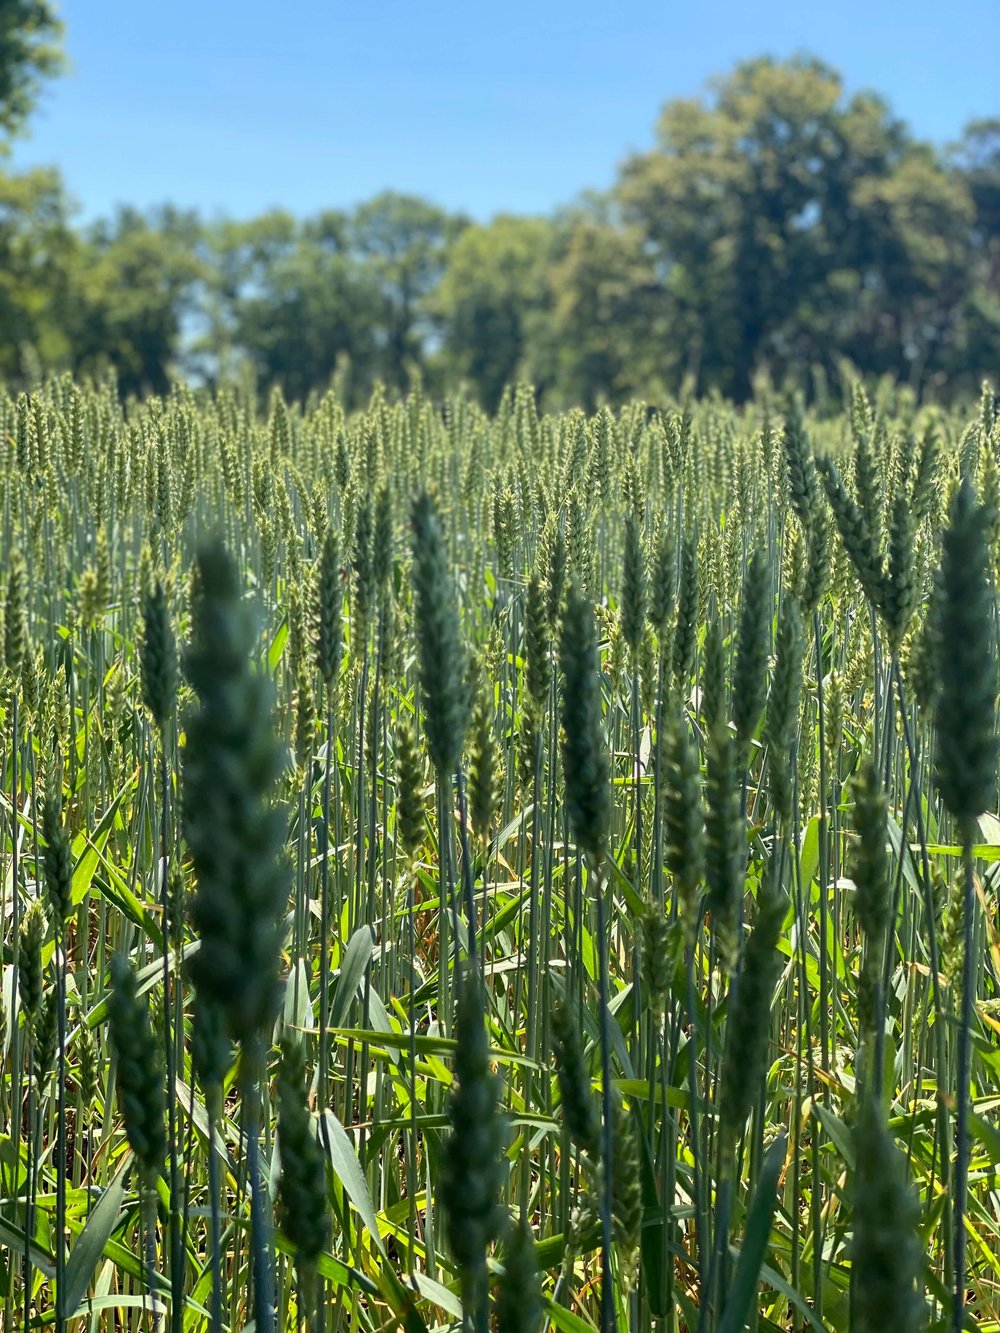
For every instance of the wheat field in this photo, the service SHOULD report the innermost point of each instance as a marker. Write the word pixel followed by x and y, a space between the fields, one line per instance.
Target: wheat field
pixel 521 872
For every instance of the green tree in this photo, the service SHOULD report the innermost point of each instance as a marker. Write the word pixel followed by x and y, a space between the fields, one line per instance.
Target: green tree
pixel 977 158
pixel 135 286
pixel 39 254
pixel 914 280
pixel 403 243
pixel 30 35
pixel 606 333
pixel 239 258
pixel 291 297
pixel 789 225
pixel 493 302
pixel 977 161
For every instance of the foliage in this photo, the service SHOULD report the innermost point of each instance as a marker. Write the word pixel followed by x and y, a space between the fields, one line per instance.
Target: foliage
pixel 793 216
pixel 777 230
pixel 493 294
pixel 30 33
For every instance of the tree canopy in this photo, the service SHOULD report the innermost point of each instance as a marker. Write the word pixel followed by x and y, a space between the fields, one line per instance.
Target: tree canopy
pixel 30 51
pixel 807 224
pixel 777 228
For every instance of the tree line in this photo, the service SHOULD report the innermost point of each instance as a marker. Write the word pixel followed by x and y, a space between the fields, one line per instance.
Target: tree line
pixel 777 228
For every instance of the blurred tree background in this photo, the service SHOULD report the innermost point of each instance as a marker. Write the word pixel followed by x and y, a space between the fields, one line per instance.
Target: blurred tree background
pixel 776 229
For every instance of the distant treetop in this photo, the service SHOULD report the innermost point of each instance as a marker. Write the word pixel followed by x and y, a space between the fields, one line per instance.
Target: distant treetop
pixel 30 51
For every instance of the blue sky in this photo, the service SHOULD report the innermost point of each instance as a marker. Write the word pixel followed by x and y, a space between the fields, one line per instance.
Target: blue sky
pixel 233 106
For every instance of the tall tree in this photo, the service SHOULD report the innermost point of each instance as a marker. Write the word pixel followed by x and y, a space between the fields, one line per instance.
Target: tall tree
pixel 403 243
pixel 976 158
pixel 606 335
pixel 38 257
pixel 293 299
pixel 30 51
pixel 492 300
pixel 915 275
pixel 135 287
pixel 788 223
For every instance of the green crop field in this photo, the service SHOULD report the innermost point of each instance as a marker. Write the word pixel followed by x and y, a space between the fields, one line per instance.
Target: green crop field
pixel 519 872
